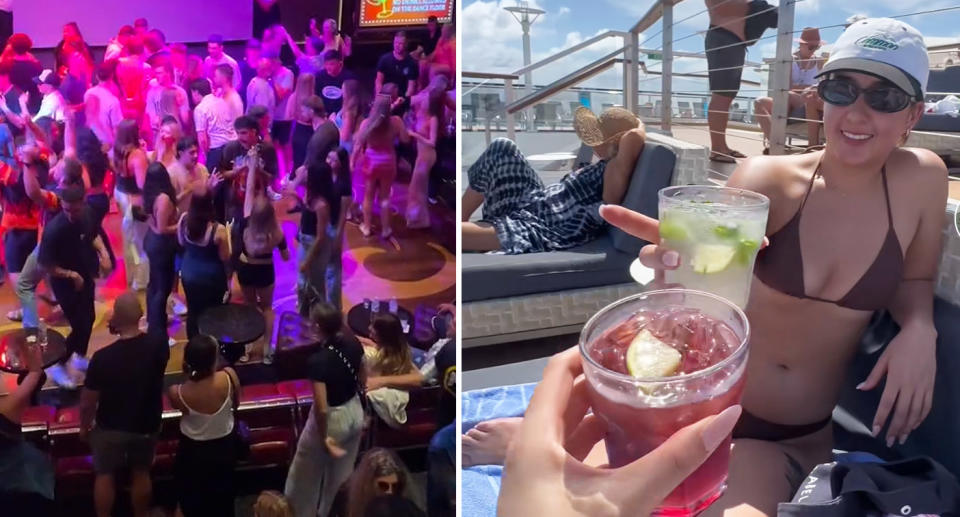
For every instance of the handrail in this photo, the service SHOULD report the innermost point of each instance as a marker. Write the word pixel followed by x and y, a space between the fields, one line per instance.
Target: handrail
pixel 486 75
pixel 566 52
pixel 577 76
pixel 652 16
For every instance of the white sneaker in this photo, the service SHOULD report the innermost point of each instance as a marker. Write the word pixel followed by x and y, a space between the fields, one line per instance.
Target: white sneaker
pixel 15 315
pixel 58 374
pixel 79 363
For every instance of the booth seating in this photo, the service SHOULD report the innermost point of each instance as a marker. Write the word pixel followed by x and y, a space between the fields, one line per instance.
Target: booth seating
pixel 274 413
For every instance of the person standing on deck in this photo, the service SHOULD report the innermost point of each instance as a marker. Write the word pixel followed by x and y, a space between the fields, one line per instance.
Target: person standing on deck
pixel 726 42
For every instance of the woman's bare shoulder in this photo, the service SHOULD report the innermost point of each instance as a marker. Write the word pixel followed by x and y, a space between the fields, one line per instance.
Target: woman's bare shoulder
pixel 773 176
pixel 918 174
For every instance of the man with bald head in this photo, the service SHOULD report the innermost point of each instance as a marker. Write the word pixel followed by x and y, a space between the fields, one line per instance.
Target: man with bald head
pixel 123 395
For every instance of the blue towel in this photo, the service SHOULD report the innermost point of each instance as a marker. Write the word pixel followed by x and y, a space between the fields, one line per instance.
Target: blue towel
pixel 479 486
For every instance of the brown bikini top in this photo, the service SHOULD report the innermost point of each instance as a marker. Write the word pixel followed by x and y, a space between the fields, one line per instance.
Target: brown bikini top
pixel 780 265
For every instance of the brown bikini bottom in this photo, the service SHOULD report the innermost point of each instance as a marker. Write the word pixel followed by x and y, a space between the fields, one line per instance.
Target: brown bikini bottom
pixel 756 428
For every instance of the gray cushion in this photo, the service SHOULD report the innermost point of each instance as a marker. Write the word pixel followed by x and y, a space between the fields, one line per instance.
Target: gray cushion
pixel 653 172
pixel 938 122
pixel 596 263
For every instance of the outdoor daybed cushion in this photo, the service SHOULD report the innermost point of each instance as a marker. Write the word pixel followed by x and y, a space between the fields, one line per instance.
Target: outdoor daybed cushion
pixel 941 82
pixel 604 261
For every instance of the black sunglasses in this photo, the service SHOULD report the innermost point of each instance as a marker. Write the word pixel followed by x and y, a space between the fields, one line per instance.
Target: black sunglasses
pixel 385 486
pixel 884 98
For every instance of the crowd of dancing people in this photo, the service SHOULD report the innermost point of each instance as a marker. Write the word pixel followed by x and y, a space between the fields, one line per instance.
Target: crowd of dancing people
pixel 199 154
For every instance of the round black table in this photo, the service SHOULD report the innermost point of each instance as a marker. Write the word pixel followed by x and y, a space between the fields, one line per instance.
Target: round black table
pixel 234 326
pixel 12 345
pixel 358 318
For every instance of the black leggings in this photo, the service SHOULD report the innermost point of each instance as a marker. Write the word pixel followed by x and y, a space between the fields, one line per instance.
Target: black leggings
pixel 301 138
pixel 200 297
pixel 99 208
pixel 162 251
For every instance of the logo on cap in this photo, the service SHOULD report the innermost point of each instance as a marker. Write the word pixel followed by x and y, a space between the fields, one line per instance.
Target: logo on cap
pixel 877 43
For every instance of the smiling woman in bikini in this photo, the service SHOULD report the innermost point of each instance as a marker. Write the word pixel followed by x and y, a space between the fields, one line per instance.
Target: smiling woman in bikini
pixel 841 246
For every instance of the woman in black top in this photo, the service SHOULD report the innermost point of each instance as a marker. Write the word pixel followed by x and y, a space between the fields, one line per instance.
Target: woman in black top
pixel 160 212
pixel 130 165
pixel 96 164
pixel 327 202
pixel 206 257
pixel 328 445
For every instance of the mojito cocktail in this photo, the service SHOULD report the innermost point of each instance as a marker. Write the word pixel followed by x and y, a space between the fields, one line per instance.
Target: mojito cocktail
pixel 657 362
pixel 717 231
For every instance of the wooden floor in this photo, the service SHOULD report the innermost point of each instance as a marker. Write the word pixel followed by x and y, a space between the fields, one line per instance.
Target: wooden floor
pixel 412 266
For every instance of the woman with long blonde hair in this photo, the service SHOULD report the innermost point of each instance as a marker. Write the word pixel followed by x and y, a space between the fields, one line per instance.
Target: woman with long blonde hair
pixel 375 145
pixel 165 148
pixel 260 233
pixel 302 115
pixel 428 106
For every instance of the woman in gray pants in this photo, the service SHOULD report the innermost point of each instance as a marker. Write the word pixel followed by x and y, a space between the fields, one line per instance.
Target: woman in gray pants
pixel 327 449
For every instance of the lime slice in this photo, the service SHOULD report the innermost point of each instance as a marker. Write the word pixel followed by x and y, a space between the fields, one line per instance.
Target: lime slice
pixel 745 250
pixel 647 356
pixel 672 231
pixel 712 258
pixel 730 231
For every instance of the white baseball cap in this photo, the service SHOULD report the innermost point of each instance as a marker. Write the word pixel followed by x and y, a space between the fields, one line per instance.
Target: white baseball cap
pixel 886 48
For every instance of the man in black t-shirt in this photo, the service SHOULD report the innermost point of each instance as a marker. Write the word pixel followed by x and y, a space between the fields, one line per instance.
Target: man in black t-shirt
pixel 248 153
pixel 325 138
pixel 398 68
pixel 68 255
pixel 124 390
pixel 329 81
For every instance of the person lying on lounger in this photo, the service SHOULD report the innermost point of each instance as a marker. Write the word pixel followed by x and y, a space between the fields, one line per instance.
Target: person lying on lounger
pixel 521 215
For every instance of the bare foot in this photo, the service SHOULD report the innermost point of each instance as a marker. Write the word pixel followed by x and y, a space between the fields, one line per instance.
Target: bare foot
pixel 487 442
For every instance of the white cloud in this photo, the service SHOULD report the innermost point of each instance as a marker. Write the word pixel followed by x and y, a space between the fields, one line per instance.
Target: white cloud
pixel 563 10
pixel 808 7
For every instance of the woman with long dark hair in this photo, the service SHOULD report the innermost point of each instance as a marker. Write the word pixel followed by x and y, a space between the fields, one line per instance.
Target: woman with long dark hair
pixel 260 234
pixel 96 164
pixel 71 43
pixel 160 212
pixel 428 106
pixel 130 166
pixel 207 452
pixel 327 448
pixel 206 256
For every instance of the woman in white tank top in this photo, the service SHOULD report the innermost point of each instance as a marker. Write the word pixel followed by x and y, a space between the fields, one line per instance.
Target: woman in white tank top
pixel 207 452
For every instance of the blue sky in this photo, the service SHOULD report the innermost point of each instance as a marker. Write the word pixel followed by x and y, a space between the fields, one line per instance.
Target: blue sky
pixel 491 38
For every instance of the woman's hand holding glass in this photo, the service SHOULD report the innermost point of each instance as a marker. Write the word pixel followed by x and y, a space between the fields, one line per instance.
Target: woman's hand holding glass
pixel 544 473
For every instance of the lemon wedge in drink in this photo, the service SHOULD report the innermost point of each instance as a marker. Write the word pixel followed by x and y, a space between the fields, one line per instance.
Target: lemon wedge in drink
pixel 647 356
pixel 712 258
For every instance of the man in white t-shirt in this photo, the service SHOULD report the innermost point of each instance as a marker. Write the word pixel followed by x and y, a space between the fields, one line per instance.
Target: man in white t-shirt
pixel 53 105
pixel 282 81
pixel 155 109
pixel 117 45
pixel 107 110
pixel 223 88
pixel 216 56
pixel 214 119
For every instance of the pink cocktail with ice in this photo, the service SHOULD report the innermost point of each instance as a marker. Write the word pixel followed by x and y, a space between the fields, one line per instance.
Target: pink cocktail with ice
pixel 657 362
